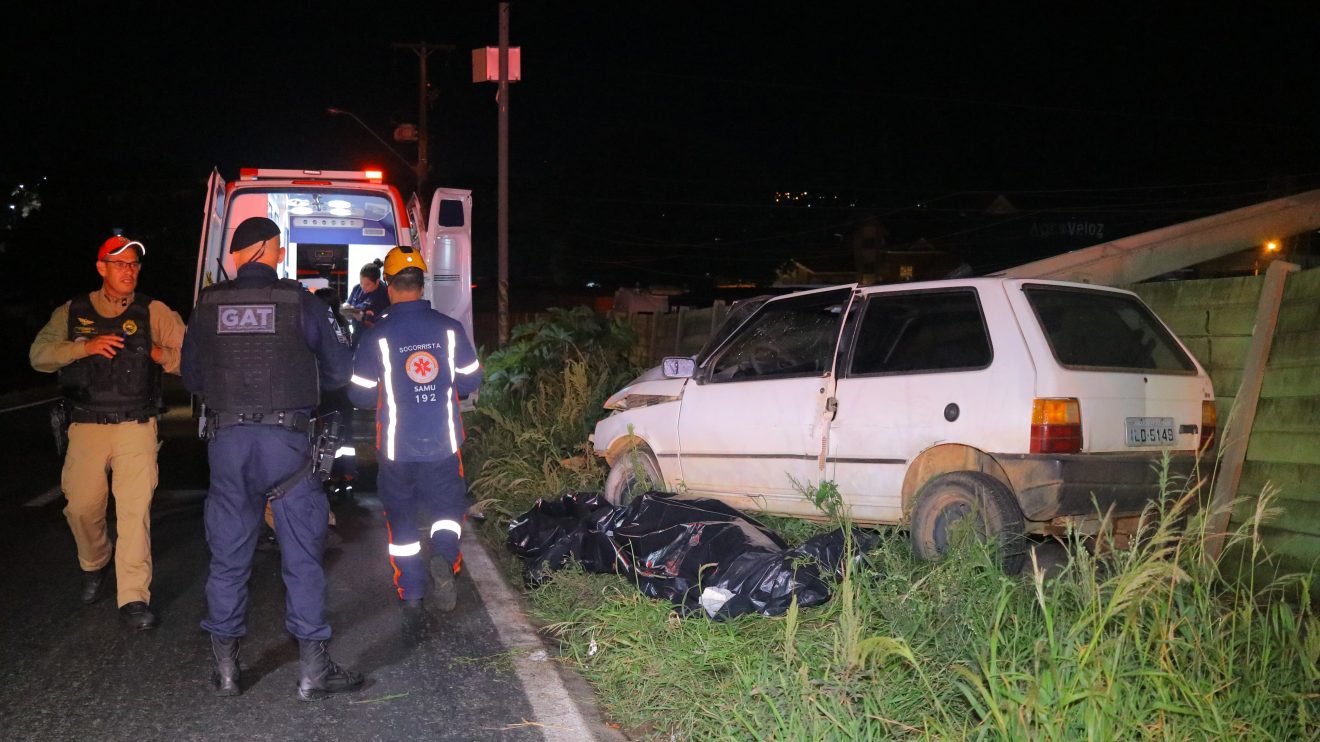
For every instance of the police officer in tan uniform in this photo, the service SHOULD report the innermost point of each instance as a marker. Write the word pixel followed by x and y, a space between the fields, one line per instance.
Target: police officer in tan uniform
pixel 109 348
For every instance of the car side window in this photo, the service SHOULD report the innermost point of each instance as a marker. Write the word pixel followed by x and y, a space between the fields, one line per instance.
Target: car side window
pixel 787 338
pixel 920 332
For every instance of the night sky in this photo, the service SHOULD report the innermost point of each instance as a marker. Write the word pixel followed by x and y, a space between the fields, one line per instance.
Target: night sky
pixel 648 140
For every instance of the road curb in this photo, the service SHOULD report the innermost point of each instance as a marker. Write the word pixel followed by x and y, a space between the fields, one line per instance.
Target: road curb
pixel 561 701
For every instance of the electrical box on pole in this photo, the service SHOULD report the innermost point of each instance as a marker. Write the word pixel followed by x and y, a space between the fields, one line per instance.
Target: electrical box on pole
pixel 486 64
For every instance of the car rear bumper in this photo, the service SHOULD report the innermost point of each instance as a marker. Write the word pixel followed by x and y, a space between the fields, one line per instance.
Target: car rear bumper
pixel 1054 485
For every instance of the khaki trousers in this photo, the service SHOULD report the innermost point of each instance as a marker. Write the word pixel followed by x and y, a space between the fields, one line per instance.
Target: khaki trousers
pixel 128 452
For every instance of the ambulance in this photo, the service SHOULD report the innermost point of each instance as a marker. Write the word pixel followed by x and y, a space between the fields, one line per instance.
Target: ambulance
pixel 336 221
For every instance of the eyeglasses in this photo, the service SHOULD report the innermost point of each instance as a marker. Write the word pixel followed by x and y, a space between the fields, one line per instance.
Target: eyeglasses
pixel 125 265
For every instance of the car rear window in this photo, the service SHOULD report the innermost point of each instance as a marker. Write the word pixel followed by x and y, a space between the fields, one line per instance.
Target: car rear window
pixel 1105 330
pixel 919 332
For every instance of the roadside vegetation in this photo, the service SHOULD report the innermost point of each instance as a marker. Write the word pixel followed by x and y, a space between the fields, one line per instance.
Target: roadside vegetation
pixel 540 399
pixel 1148 641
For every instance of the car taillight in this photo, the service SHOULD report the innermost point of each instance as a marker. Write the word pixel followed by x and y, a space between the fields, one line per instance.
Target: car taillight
pixel 1209 426
pixel 1056 426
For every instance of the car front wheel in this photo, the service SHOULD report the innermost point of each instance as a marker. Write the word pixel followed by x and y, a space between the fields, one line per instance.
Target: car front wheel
pixel 950 499
pixel 634 472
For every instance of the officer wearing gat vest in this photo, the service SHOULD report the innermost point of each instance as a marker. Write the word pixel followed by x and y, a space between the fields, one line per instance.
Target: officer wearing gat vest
pixel 258 349
pixel 413 365
pixel 109 349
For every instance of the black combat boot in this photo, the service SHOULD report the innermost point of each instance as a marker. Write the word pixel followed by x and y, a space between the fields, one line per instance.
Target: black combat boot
pixel 320 676
pixel 226 672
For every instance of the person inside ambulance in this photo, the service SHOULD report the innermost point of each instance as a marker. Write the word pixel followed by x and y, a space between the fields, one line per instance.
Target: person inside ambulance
pixel 110 348
pixel 413 366
pixel 367 299
pixel 259 350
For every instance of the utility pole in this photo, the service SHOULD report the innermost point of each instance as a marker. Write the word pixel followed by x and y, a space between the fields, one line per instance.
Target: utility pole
pixel 502 64
pixel 422 50
pixel 503 205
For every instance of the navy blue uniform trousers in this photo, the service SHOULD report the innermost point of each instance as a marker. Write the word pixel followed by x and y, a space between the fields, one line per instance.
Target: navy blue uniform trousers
pixel 246 462
pixel 407 488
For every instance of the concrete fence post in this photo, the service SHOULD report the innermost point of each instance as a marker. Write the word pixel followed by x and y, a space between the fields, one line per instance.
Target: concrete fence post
pixel 1243 418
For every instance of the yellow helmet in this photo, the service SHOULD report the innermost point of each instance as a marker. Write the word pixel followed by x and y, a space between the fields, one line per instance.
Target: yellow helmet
pixel 402 257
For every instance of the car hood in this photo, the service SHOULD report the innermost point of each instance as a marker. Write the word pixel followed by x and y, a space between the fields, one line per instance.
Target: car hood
pixel 645 385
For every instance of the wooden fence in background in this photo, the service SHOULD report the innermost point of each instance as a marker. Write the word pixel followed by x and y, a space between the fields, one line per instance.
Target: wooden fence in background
pixel 679 333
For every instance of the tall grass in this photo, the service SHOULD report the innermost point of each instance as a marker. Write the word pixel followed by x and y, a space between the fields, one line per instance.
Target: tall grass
pixel 1147 641
pixel 543 394
pixel 1144 642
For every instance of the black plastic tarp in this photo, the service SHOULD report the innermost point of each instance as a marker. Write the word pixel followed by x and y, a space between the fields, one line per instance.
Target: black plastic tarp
pixel 697 553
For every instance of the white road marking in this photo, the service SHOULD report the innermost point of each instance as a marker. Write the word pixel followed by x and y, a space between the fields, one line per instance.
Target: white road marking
pixel 29 404
pixel 552 705
pixel 45 498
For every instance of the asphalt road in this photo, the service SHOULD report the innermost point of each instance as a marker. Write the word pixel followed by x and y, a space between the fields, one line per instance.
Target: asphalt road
pixel 69 671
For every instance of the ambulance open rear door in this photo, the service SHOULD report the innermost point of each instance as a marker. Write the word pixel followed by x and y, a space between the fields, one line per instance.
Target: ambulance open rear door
pixel 210 254
pixel 447 249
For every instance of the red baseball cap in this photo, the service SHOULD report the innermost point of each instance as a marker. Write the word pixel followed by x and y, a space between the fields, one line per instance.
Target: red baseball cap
pixel 118 244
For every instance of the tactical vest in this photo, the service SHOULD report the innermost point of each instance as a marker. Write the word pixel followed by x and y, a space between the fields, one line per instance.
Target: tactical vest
pixel 129 383
pixel 254 354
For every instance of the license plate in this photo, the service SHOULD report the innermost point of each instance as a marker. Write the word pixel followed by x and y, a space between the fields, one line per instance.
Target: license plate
pixel 1150 431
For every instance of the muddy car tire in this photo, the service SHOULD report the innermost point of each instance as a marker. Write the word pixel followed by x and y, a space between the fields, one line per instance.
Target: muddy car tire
pixel 634 471
pixel 949 498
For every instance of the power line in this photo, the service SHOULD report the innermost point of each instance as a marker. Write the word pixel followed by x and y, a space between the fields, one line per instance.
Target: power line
pixel 857 94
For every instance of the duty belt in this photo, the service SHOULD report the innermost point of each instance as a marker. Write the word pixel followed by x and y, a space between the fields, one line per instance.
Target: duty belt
pixel 298 422
pixel 80 415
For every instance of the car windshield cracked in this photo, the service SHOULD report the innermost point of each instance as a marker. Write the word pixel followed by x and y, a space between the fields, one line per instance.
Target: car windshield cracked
pixel 786 338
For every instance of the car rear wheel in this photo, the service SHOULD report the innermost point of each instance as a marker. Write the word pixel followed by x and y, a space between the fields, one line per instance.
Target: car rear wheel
pixel 948 499
pixel 634 472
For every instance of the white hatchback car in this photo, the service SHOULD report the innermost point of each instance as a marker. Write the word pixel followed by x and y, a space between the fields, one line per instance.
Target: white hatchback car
pixel 1034 405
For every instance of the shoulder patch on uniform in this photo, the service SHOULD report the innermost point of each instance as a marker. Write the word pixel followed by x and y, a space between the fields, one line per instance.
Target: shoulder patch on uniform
pixel 246 319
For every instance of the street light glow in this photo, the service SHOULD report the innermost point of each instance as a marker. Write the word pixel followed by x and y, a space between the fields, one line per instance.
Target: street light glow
pixel 371 174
